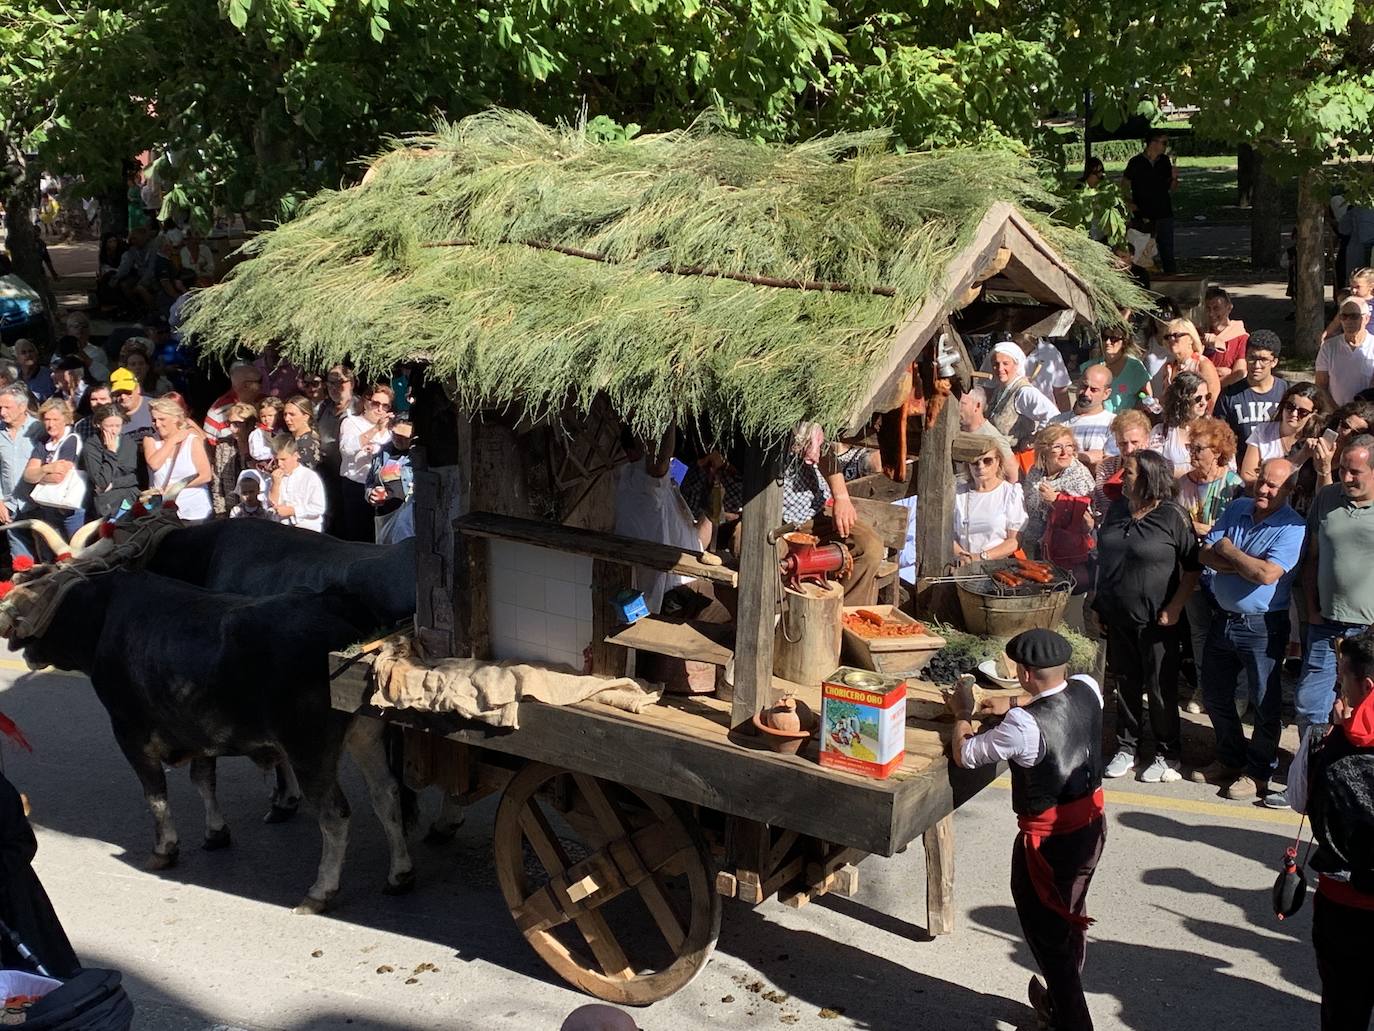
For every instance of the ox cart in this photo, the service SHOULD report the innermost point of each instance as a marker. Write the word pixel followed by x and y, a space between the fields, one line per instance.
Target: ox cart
pixel 559 289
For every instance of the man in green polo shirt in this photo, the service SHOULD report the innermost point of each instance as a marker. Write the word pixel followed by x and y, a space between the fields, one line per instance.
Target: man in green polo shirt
pixel 1337 580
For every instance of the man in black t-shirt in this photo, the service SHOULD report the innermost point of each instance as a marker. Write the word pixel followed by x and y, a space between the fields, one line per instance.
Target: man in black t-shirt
pixel 1150 177
pixel 1254 399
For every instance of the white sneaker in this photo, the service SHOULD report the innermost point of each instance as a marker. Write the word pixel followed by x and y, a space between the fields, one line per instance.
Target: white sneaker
pixel 1120 765
pixel 1161 771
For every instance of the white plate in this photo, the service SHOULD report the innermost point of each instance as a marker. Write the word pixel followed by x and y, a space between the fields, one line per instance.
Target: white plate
pixel 988 667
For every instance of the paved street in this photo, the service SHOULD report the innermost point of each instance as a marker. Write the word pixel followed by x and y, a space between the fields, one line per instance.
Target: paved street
pixel 1185 940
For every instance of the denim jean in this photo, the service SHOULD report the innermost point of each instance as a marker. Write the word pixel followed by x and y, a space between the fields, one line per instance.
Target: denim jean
pixel 1317 686
pixel 1253 647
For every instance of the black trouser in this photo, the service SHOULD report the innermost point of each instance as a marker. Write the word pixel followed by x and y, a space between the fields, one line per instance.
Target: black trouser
pixel 354 522
pixel 1058 946
pixel 1144 660
pixel 1341 937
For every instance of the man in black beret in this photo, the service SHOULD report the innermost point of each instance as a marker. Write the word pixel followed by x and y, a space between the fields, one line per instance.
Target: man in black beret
pixel 1051 735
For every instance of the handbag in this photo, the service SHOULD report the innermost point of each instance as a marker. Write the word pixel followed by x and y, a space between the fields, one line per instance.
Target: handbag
pixel 67 493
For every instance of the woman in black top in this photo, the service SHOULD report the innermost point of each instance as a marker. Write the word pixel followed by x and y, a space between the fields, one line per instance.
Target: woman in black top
pixel 110 462
pixel 1147 565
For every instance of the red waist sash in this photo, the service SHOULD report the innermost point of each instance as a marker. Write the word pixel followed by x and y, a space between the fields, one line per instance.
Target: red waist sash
pixel 1343 894
pixel 1059 819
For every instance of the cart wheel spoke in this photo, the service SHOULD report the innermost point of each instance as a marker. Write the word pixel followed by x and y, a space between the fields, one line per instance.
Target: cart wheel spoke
pixel 638 840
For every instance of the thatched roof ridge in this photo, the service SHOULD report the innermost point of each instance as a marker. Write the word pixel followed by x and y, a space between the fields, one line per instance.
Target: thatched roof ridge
pixel 532 263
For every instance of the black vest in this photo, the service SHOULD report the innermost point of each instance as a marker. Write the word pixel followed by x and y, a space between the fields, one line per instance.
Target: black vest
pixel 1340 779
pixel 1070 765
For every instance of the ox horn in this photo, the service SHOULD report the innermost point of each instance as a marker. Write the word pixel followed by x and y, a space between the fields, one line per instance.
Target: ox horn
pixel 83 536
pixel 176 487
pixel 50 536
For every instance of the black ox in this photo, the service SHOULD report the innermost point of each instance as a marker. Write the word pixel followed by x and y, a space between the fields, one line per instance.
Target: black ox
pixel 179 670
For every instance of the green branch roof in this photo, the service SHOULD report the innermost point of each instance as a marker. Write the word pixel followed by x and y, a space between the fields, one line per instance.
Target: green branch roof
pixel 458 246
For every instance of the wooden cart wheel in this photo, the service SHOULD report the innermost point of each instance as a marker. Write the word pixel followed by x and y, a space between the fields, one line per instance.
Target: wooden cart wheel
pixel 612 886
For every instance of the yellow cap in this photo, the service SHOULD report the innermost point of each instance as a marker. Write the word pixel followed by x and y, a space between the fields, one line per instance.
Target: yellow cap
pixel 123 379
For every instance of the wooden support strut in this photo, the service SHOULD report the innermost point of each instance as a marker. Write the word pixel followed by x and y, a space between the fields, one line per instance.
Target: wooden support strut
pixel 939 845
pixel 758 583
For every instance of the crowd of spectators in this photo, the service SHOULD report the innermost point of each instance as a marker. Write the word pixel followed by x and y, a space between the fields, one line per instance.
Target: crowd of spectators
pixel 90 426
pixel 1215 517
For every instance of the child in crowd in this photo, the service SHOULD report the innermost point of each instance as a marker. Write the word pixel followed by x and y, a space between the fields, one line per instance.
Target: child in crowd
pixel 252 492
pixel 297 495
pixel 269 425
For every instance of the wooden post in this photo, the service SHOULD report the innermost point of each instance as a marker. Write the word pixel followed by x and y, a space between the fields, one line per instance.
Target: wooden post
pixel 436 506
pixel 935 508
pixel 608 579
pixel 758 583
pixel 806 644
pixel 939 843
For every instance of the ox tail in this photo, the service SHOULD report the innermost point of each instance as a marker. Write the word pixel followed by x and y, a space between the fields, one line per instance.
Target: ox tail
pixel 394 742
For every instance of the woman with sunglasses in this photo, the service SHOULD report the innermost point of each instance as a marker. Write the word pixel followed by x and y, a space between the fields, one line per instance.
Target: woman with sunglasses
pixel 988 512
pixel 1300 416
pixel 1130 380
pixel 1204 490
pixel 360 438
pixel 1186 399
pixel 1147 566
pixel 232 455
pixel 1184 346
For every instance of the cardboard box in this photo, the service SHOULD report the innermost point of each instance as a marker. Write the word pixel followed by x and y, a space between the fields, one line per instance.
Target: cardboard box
pixel 863 722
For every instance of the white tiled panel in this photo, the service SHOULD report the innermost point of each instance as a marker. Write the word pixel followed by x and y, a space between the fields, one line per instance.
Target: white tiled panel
pixel 539 605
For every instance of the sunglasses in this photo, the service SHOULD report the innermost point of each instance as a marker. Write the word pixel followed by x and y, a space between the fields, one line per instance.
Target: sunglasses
pixel 985 460
pixel 1297 409
pixel 383 405
pixel 116 395
pixel 1112 338
pixel 241 422
pixel 1178 336
pixel 317 382
pixel 1202 399
pixel 335 381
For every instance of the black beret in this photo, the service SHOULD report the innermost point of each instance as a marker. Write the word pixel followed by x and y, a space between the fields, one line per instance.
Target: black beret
pixel 1039 649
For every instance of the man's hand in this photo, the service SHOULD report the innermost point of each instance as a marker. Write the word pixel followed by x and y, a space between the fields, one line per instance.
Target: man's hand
pixel 844 516
pixel 997 706
pixel 1168 615
pixel 4 513
pixel 1322 451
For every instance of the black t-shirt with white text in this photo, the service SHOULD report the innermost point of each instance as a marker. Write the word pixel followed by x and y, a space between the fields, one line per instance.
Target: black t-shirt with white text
pixel 1243 408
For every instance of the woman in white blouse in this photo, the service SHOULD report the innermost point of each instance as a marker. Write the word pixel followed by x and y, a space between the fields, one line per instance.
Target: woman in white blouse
pixel 988 512
pixel 1299 417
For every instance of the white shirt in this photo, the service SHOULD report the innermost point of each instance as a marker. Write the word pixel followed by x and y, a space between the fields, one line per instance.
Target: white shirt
pixel 303 490
pixel 983 521
pixel 1155 358
pixel 1173 445
pixel 1350 369
pixel 203 265
pixel 259 446
pixel 356 457
pixel 1090 432
pixel 1266 437
pixel 100 362
pixel 1017 738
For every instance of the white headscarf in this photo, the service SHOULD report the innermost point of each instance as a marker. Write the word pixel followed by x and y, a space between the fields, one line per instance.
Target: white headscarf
pixel 1015 353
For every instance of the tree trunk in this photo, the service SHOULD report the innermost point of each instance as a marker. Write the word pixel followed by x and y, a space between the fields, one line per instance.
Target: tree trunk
pixel 114 212
pixel 1245 175
pixel 20 198
pixel 1266 236
pixel 1309 288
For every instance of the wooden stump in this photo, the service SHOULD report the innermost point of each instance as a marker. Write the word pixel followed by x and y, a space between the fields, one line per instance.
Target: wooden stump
pixel 806 643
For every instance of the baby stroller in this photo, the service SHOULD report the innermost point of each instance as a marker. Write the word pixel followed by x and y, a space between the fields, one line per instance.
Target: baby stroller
pixel 91 1000
pixel 36 957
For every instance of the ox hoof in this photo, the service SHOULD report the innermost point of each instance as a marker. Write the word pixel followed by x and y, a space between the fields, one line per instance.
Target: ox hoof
pixel 279 813
pixel 162 860
pixel 437 835
pixel 216 840
pixel 403 885
pixel 311 906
